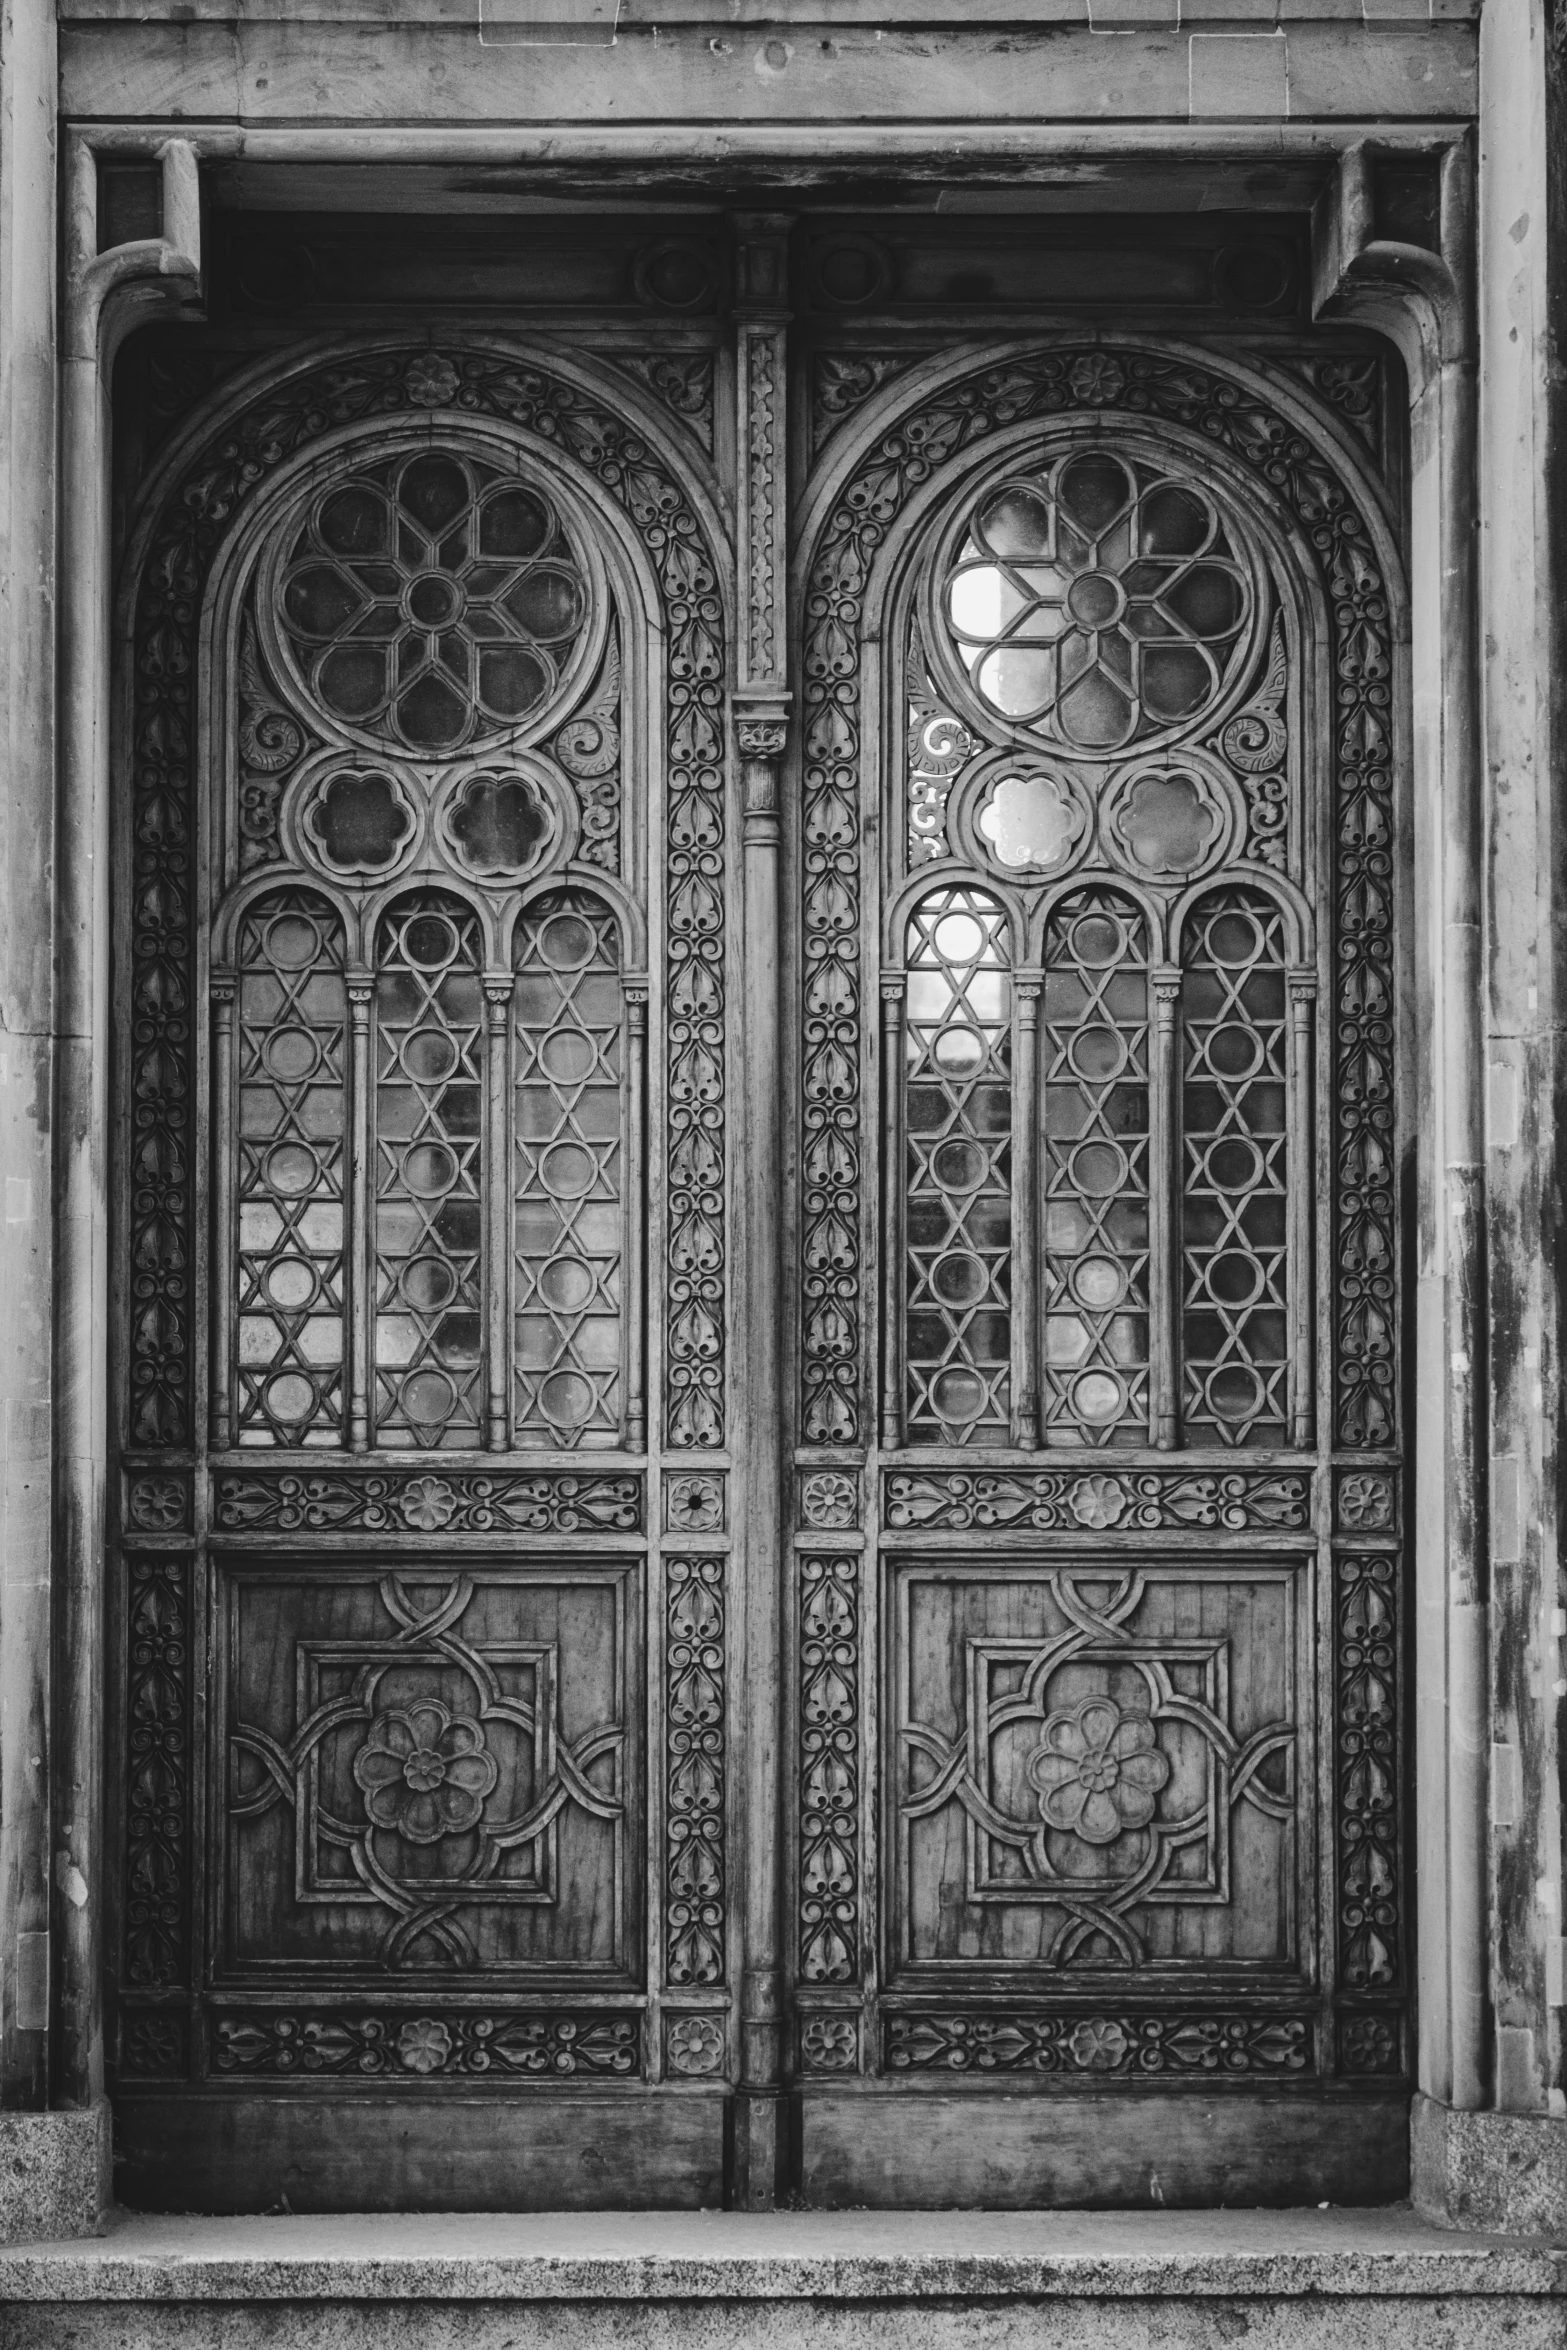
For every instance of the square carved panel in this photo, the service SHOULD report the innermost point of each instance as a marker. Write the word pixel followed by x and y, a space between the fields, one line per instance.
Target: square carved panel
pixel 1096 1769
pixel 426 1771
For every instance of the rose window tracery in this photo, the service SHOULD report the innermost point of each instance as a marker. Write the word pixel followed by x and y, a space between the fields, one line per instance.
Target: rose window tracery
pixel 433 601
pixel 1098 601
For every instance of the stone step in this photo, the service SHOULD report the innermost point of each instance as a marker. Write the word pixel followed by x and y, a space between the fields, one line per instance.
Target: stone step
pixel 1264 2280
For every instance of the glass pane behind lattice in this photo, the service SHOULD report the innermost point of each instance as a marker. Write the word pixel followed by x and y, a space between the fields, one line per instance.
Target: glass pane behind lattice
pixel 958 1123
pixel 1095 1165
pixel 1235 1208
pixel 429 1113
pixel 569 1171
pixel 291 1009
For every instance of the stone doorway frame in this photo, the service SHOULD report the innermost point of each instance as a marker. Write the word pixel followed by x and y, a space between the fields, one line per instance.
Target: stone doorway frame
pixel 1423 301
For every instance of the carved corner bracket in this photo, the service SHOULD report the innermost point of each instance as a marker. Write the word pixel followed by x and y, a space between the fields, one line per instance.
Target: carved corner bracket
pixel 110 292
pixel 1368 267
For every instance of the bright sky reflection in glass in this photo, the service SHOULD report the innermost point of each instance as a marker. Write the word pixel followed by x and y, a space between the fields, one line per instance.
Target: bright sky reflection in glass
pixel 1097 601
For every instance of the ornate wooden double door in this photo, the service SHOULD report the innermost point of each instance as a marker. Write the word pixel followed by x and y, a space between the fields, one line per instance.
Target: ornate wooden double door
pixel 757 1366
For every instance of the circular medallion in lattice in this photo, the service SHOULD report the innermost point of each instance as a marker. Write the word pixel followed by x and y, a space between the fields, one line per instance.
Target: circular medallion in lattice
pixel 1096 599
pixel 434 601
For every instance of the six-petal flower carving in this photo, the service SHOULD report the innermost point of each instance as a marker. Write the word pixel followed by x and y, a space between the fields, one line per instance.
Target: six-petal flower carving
pixel 1097 1771
pixel 425 1772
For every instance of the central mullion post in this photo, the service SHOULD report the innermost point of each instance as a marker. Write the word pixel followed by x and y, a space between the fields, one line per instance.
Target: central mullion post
pixel 760 705
pixel 358 1248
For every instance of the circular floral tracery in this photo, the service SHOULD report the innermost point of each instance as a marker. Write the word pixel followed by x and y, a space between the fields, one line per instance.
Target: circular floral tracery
pixel 433 600
pixel 1097 600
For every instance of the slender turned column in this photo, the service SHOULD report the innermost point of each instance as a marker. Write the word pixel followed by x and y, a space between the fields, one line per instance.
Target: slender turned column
pixel 497 1289
pixel 894 993
pixel 359 1269
pixel 225 1220
pixel 634 1192
pixel 1302 1159
pixel 761 703
pixel 1164 1183
pixel 1026 987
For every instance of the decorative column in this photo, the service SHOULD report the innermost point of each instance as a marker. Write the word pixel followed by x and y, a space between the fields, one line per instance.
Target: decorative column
pixel 1302 1301
pixel 221 1376
pixel 761 705
pixel 636 990
pixel 358 1272
pixel 1027 985
pixel 498 989
pixel 1164 1185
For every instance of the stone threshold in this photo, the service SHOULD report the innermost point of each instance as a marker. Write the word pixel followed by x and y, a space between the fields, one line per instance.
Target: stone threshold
pixel 823 2257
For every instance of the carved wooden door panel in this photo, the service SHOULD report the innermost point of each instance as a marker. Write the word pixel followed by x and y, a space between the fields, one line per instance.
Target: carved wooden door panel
pixel 586 1737
pixel 1099 1881
pixel 426 1236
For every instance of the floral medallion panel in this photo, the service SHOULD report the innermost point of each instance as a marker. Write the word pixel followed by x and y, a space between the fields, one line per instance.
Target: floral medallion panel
pixel 1099 1770
pixel 429 1772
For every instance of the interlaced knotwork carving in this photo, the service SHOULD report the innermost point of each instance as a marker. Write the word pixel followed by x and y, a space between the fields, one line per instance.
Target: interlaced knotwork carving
pixel 829 1769
pixel 694 1924
pixel 157 1774
pixel 220 479
pixel 1239 420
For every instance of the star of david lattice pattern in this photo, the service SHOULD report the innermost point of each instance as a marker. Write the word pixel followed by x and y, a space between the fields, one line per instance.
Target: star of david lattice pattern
pixel 569 1173
pixel 958 1120
pixel 1235 1204
pixel 1096 1171
pixel 292 1010
pixel 429 1222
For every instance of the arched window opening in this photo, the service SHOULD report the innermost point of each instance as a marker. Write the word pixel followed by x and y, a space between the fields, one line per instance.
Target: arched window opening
pixel 958 1142
pixel 570 1174
pixel 1095 1168
pixel 286 1134
pixel 1235 1175
pixel 429 1174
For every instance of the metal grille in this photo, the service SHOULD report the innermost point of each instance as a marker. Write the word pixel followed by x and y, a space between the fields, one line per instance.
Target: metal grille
pixel 569 1144
pixel 1096 1171
pixel 429 1218
pixel 1235 1193
pixel 958 1123
pixel 292 1012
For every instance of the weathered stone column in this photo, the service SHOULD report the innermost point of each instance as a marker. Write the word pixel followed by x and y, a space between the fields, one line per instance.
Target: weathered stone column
pixel 761 702
pixel 1499 2159
pixel 27 669
pixel 105 293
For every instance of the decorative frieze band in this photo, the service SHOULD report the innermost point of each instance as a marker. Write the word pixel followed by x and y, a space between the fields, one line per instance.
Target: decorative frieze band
pixel 416 1501
pixel 1105 2045
pixel 422 2046
pixel 1096 1501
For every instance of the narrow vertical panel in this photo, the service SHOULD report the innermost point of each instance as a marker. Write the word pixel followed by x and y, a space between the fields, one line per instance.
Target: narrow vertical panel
pixel 288 1228
pixel 694 1700
pixel 830 1767
pixel 569 1174
pixel 1236 1205
pixel 957 1118
pixel 1095 1164
pixel 429 1200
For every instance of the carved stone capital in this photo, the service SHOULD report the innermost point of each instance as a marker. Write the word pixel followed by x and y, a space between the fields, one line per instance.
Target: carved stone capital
pixel 761 738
